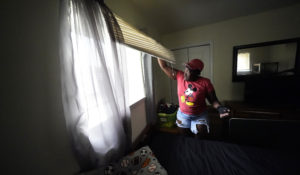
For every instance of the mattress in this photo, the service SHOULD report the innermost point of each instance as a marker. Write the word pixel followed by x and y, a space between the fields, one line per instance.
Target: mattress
pixel 186 155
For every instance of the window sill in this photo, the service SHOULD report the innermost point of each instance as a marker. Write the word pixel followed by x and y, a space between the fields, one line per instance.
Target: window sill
pixel 134 105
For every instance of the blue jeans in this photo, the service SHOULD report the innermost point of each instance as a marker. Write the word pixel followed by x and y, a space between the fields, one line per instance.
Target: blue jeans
pixel 190 121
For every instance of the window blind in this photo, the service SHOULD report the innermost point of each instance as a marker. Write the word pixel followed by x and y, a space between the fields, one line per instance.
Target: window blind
pixel 140 41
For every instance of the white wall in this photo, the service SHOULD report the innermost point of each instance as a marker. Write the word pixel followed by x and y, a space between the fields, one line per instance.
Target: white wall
pixel 268 26
pixel 161 84
pixel 33 134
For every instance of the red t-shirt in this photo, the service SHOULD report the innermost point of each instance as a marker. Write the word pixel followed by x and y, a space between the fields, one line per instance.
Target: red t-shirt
pixel 192 94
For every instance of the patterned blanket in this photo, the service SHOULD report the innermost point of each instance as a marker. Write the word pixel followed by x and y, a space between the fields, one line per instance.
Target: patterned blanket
pixel 141 161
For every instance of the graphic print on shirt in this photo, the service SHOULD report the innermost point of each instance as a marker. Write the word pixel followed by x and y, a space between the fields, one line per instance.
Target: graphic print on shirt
pixel 188 97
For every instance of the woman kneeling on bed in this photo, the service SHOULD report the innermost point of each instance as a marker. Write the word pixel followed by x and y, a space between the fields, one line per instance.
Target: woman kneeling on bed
pixel 192 91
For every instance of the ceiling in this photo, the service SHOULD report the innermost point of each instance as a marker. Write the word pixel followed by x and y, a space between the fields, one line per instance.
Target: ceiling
pixel 174 15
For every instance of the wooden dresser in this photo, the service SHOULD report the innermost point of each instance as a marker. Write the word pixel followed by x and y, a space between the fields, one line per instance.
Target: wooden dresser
pixel 241 109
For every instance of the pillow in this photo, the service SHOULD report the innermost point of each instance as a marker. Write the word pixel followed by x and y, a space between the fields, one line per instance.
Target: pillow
pixel 141 161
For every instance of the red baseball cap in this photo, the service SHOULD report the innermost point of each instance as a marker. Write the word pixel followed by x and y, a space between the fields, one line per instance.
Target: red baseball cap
pixel 195 64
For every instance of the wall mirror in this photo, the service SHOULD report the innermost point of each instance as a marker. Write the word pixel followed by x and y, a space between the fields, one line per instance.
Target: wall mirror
pixel 266 59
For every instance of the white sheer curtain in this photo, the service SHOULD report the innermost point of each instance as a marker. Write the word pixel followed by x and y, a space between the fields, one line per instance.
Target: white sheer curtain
pixel 94 86
pixel 149 91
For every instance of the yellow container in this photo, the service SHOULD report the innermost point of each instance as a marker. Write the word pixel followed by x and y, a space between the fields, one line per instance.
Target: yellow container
pixel 166 120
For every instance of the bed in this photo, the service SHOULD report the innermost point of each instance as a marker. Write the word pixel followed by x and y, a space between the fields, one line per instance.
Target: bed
pixel 255 147
pixel 186 155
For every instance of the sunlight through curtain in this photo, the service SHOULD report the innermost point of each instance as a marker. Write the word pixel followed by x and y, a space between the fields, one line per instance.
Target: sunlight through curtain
pixel 94 88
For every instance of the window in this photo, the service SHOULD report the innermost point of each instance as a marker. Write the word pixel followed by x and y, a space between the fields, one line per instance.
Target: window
pixel 243 62
pixel 87 67
pixel 135 75
pixel 84 66
pixel 94 81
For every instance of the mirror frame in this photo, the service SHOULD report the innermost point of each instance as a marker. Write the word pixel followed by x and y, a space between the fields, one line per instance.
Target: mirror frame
pixel 238 78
